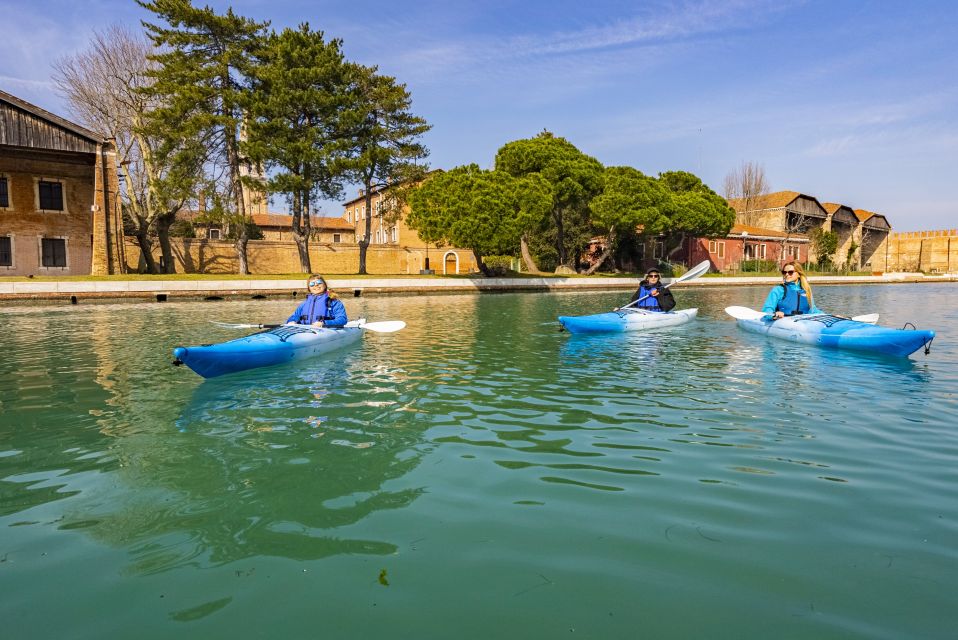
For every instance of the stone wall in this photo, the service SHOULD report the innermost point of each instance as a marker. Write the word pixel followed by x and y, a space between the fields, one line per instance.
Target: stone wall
pixel 925 251
pixel 271 257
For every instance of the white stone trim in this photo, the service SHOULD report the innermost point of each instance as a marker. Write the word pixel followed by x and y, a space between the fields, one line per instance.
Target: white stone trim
pixel 36 194
pixel 446 255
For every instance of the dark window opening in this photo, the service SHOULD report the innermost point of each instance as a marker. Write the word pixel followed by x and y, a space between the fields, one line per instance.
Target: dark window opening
pixel 6 252
pixel 4 193
pixel 51 195
pixel 54 252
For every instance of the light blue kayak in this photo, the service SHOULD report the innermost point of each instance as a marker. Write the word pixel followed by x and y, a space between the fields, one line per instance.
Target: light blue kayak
pixel 626 320
pixel 267 348
pixel 835 332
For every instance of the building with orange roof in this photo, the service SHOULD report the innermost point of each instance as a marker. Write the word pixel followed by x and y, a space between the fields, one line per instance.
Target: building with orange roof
pixel 389 229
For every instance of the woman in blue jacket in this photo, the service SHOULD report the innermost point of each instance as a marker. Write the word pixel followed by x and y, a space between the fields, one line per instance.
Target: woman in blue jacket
pixel 793 297
pixel 321 307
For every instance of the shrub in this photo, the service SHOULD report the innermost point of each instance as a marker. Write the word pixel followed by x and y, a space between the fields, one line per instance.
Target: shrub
pixel 759 266
pixel 182 229
pixel 498 265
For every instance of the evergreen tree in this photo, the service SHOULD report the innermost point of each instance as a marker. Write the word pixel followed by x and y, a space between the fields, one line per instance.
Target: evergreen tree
pixel 299 93
pixel 202 80
pixel 574 179
pixel 486 211
pixel 381 145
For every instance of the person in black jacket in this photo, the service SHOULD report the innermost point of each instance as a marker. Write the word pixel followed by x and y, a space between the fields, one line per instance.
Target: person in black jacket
pixel 652 294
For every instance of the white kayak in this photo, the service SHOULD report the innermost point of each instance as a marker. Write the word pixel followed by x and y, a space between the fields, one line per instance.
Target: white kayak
pixel 628 319
pixel 824 330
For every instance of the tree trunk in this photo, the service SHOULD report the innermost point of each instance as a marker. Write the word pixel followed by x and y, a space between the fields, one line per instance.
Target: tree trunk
pixel 163 235
pixel 560 238
pixel 146 250
pixel 364 243
pixel 482 265
pixel 301 231
pixel 241 255
pixel 527 258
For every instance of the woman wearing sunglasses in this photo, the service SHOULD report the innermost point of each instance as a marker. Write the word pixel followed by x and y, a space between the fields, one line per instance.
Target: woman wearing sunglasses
pixel 793 297
pixel 657 297
pixel 321 307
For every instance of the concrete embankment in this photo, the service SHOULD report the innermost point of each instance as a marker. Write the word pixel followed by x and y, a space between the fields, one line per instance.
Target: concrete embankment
pixel 67 291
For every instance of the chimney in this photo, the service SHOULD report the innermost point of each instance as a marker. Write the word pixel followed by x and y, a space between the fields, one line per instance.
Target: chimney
pixel 201 201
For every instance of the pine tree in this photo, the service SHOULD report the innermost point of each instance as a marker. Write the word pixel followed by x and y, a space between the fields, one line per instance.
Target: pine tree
pixel 299 92
pixel 202 81
pixel 381 147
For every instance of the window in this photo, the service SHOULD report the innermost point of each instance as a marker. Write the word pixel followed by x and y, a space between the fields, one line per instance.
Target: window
pixel 337 237
pixel 213 233
pixel 713 246
pixel 53 252
pixel 6 251
pixel 658 249
pixel 349 216
pixel 395 234
pixel 51 195
pixel 640 251
pixel 721 249
pixel 755 251
pixel 362 211
pixel 4 193
pixel 791 252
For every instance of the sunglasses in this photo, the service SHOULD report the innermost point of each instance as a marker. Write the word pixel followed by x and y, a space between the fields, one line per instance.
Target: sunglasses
pixel 313 283
pixel 651 275
pixel 787 272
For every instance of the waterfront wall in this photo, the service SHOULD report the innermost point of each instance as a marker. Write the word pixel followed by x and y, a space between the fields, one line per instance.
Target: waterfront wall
pixel 270 257
pixel 922 251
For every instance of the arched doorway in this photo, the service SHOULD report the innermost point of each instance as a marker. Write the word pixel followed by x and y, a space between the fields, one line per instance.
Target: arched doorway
pixel 450 262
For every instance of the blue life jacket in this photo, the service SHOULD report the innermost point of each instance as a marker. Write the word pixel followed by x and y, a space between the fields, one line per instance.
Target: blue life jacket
pixel 651 303
pixel 319 307
pixel 794 300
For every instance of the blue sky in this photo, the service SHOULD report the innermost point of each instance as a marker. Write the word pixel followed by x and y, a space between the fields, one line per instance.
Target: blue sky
pixel 851 102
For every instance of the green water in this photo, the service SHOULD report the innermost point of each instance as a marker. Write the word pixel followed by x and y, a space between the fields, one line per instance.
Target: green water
pixel 479 475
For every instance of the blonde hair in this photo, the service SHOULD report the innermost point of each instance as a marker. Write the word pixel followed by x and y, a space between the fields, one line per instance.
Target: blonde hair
pixel 314 276
pixel 802 280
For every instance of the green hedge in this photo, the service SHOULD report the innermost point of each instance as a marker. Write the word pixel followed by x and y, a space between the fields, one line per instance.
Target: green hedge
pixel 759 266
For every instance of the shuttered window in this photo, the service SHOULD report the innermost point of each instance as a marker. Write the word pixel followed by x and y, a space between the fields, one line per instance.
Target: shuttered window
pixel 6 252
pixel 4 193
pixel 51 195
pixel 54 252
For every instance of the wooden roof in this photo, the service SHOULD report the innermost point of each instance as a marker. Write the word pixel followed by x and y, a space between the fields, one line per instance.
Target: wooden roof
pixel 740 230
pixel 26 125
pixel 872 220
pixel 841 213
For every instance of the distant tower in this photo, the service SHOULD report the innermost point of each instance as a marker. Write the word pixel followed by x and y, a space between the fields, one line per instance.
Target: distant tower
pixel 257 200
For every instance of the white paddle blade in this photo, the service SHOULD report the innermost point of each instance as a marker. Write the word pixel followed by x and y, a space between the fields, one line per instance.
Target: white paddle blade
pixel 744 313
pixel 231 325
pixel 868 318
pixel 387 326
pixel 700 269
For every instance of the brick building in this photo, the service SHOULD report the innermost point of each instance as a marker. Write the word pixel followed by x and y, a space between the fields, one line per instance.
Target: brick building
pixel 59 206
pixel 389 230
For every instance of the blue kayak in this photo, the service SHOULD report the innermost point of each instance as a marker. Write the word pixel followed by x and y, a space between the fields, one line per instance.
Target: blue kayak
pixel 276 346
pixel 838 333
pixel 626 320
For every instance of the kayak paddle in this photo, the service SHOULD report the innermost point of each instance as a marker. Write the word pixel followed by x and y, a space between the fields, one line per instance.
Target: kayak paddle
pixel 744 313
pixel 691 274
pixel 387 326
